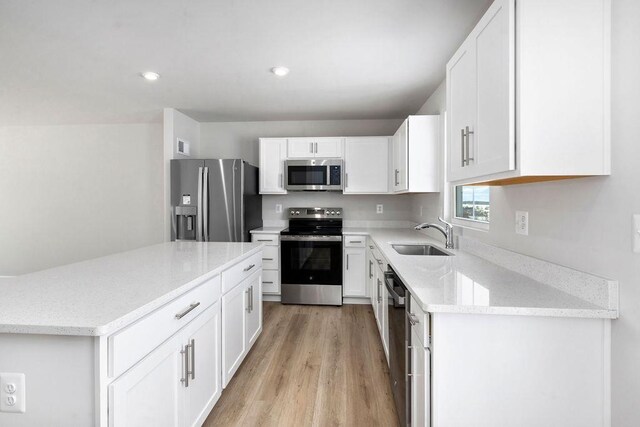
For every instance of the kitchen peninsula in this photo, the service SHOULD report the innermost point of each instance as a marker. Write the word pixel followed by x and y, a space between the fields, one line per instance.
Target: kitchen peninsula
pixel 132 338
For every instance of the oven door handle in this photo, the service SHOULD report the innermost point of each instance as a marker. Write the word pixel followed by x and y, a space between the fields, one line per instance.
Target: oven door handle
pixel 311 238
pixel 388 282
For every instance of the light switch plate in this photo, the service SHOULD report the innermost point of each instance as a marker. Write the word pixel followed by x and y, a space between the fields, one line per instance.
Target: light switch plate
pixel 522 223
pixel 12 392
pixel 636 233
pixel 379 209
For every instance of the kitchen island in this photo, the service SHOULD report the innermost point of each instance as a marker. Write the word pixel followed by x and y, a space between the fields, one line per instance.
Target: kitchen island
pixel 145 337
pixel 496 337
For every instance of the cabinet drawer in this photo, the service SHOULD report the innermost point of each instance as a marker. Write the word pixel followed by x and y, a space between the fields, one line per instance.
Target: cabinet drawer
pixel 132 343
pixel 236 274
pixel 270 282
pixel 355 241
pixel 270 258
pixel 422 326
pixel 267 239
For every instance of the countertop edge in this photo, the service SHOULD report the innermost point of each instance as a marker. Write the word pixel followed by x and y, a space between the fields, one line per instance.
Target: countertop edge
pixel 129 318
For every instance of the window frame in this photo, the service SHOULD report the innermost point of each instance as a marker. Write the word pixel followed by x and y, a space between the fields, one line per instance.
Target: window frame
pixel 466 222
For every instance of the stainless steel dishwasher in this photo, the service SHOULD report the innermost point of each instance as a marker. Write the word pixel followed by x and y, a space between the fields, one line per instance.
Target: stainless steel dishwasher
pixel 399 337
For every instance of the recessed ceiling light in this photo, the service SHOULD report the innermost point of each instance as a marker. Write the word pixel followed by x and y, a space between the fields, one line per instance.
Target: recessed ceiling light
pixel 280 71
pixel 150 75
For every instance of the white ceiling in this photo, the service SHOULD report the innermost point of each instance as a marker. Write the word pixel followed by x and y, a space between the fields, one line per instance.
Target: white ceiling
pixel 79 61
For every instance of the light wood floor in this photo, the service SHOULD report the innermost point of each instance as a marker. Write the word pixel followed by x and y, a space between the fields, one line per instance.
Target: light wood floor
pixel 311 366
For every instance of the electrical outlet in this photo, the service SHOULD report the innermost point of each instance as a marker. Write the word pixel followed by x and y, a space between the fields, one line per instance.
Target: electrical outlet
pixel 636 233
pixel 278 208
pixel 522 223
pixel 12 392
pixel 379 209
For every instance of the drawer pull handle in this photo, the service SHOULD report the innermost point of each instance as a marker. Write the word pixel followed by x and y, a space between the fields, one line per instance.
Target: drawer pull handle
pixel 269 283
pixel 267 259
pixel 187 310
pixel 249 268
pixel 355 241
pixel 264 240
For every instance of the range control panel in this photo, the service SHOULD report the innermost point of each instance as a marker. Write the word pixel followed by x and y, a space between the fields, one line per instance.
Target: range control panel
pixel 315 213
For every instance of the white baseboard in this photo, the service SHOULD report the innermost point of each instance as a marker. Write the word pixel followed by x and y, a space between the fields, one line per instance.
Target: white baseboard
pixel 345 300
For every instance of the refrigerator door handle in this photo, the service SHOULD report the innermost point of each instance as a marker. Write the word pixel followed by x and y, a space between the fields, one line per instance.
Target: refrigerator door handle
pixel 205 204
pixel 199 214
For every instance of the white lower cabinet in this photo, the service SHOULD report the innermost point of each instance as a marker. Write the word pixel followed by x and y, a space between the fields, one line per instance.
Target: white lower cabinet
pixel 177 384
pixel 270 262
pixel 205 383
pixel 241 323
pixel 420 382
pixel 354 284
pixel 234 307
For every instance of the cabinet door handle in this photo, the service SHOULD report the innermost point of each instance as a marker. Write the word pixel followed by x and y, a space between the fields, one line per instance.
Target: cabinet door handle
pixel 346 179
pixel 370 269
pixel 379 296
pixel 251 300
pixel 193 359
pixel 469 158
pixel 462 145
pixel 281 180
pixel 316 148
pixel 396 177
pixel 249 268
pixel 187 310
pixel 311 147
pixel 347 261
pixel 248 300
pixel 185 362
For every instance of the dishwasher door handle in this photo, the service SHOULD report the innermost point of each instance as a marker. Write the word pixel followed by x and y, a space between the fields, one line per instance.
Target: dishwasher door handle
pixel 388 282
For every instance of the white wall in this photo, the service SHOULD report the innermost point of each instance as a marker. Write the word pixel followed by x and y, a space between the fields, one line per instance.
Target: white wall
pixel 356 207
pixel 586 223
pixel 71 193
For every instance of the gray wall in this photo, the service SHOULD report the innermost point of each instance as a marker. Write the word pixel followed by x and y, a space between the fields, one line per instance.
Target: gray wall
pixel 71 193
pixel 587 223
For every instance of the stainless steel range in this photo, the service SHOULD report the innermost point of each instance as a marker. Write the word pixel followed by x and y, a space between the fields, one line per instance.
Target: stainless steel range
pixel 311 258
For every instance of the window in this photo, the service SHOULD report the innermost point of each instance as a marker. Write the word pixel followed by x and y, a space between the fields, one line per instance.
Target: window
pixel 472 202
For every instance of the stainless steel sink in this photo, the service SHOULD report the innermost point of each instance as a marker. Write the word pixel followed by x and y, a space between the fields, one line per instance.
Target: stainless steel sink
pixel 425 250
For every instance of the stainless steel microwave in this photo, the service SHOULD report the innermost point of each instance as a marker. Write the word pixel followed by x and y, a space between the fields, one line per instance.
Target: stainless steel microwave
pixel 313 175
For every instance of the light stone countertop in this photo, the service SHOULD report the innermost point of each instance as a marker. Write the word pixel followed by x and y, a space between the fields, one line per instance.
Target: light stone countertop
pixel 468 283
pixel 99 296
pixel 267 230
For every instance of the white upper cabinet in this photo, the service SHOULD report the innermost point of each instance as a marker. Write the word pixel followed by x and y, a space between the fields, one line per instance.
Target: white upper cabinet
pixel 415 155
pixel 273 153
pixel 366 163
pixel 552 81
pixel 314 147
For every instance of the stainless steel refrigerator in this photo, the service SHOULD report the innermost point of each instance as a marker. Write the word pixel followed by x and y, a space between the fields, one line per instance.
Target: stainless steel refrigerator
pixel 214 200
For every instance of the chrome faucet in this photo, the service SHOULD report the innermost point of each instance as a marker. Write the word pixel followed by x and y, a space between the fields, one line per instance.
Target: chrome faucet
pixel 447 230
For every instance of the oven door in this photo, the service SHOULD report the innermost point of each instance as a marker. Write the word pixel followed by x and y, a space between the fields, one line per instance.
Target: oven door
pixel 311 260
